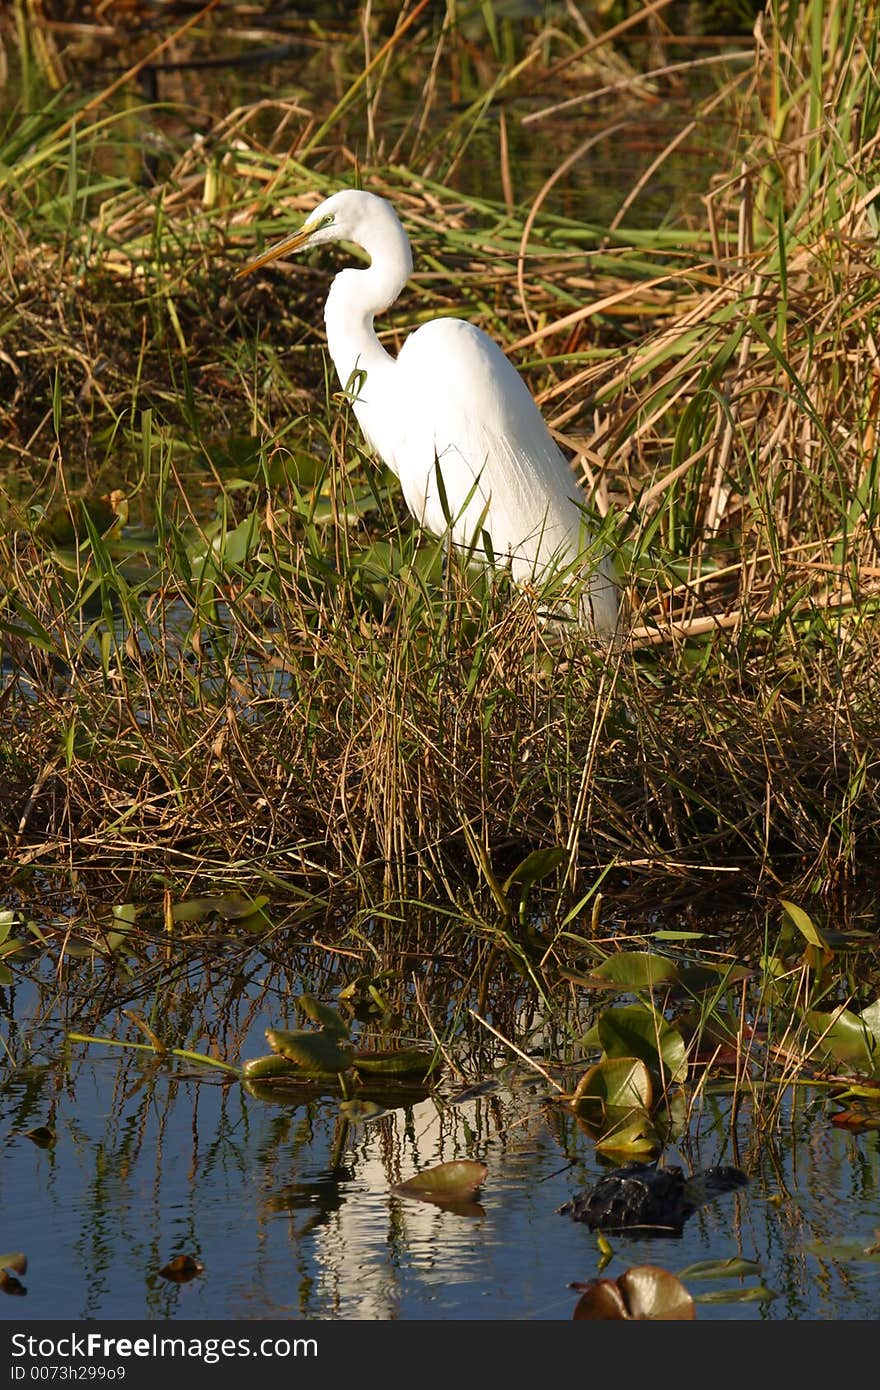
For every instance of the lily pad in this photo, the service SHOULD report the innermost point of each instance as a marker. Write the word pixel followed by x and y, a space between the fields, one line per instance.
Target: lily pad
pixel 318 1050
pixel 630 1135
pixel 623 1083
pixel 637 969
pixel 636 1031
pixel 258 1068
pixel 182 1268
pixel 41 1135
pixel 733 1268
pixel 642 1292
pixel 844 1037
pixel 871 1019
pixel 329 1018
pixel 399 1061
pixel 455 1181
pixel 537 865
pixel 756 1293
pixel 846 1251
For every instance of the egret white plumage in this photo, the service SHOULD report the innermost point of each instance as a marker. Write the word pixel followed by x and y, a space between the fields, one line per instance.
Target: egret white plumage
pixel 452 401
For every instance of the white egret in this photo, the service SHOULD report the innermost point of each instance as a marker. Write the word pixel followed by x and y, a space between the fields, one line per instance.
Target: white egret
pixel 451 401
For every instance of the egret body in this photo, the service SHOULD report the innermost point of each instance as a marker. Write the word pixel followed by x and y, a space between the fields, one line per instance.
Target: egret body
pixel 452 400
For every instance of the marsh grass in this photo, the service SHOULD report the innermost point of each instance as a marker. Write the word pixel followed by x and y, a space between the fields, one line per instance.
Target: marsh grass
pixel 229 660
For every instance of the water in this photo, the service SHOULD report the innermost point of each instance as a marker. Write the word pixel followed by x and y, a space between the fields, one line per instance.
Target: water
pixel 291 1212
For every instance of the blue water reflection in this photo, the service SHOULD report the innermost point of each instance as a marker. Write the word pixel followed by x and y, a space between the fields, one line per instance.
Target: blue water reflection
pixel 290 1209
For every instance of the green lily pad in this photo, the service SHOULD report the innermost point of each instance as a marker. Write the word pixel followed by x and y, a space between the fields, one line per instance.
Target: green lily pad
pixel 446 1182
pixel 758 1293
pixel 845 1251
pixel 399 1061
pixel 733 1268
pixel 636 1031
pixel 845 1038
pixel 637 969
pixel 328 1017
pixel 629 1135
pixel 871 1019
pixel 258 1068
pixel 622 1083
pixel 315 1051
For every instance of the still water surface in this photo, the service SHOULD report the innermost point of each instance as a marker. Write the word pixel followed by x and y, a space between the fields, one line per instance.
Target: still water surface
pixel 290 1210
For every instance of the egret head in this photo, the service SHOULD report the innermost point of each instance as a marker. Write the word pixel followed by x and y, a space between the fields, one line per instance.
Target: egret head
pixel 351 215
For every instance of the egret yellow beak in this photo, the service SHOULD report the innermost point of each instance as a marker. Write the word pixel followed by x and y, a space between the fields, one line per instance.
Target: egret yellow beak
pixel 274 253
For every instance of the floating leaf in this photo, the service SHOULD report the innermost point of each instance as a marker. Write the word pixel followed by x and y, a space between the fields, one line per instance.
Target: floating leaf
pixel 623 1083
pixel 631 1135
pixel 871 1019
pixel 401 1061
pixel 857 1119
pixel 652 1292
pixel 41 1135
pixel 758 1293
pixel 313 1050
pixel 636 1031
pixel 453 1182
pixel 329 1018
pixel 182 1268
pixel 480 1088
pixel 194 909
pixel 258 1068
pixel 642 1292
pixel 868 1091
pixel 10 1285
pixel 601 1301
pixel 733 1268
pixel 637 969
pixel 14 1260
pixel 845 1037
pixel 845 1251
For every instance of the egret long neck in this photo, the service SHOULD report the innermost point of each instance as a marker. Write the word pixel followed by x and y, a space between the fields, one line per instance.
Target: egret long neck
pixel 357 295
pixel 348 316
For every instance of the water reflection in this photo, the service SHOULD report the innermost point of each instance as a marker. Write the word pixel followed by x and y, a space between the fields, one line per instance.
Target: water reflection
pixel 290 1208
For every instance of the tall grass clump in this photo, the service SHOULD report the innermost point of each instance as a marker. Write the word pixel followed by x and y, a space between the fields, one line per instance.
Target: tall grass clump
pixel 226 654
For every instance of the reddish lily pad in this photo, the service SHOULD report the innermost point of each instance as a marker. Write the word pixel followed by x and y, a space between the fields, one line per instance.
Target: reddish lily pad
pixel 642 1292
pixel 182 1268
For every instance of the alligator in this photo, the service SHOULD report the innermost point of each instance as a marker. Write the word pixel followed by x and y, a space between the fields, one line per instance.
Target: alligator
pixel 641 1195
